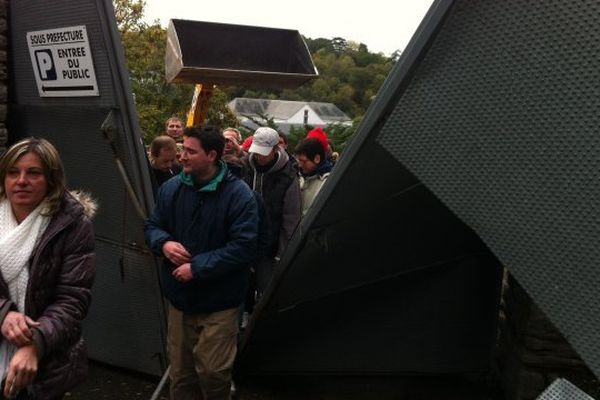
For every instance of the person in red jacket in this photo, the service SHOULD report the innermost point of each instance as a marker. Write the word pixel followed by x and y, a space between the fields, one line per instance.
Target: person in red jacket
pixel 247 143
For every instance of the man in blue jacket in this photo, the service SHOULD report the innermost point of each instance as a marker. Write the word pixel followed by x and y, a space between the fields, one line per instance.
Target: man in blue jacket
pixel 205 224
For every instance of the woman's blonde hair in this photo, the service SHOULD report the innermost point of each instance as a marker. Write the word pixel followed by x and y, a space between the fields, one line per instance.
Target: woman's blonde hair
pixel 51 164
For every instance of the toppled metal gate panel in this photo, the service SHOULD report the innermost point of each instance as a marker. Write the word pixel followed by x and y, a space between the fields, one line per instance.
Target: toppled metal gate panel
pixel 380 278
pixel 126 325
pixel 562 389
pixel 500 121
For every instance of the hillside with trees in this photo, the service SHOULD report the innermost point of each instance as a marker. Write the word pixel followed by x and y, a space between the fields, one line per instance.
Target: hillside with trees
pixel 349 77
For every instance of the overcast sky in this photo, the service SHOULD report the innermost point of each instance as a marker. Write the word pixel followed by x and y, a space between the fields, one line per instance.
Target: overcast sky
pixel 384 26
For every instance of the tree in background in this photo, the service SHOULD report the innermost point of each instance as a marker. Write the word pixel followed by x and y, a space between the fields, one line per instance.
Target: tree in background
pixel 339 135
pixel 339 45
pixel 129 14
pixel 395 56
pixel 219 113
pixel 349 77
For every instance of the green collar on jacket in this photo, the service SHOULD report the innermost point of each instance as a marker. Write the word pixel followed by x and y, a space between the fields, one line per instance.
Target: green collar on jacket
pixel 189 180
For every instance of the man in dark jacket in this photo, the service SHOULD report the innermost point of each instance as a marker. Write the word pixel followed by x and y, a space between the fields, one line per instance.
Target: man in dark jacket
pixel 205 224
pixel 163 159
pixel 270 172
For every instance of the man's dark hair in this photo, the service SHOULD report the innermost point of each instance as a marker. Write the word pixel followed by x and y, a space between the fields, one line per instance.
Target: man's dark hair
pixel 283 136
pixel 310 147
pixel 210 138
pixel 160 142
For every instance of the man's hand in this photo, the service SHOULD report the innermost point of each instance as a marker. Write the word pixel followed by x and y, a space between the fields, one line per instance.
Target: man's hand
pixel 22 370
pixel 16 328
pixel 176 253
pixel 183 273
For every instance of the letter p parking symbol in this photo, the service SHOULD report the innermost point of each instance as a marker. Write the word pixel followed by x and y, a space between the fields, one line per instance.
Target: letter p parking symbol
pixel 45 65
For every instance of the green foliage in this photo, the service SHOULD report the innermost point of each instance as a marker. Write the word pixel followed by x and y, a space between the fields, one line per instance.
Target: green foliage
pixel 317 44
pixel 297 133
pixel 395 56
pixel 219 114
pixel 349 77
pixel 339 45
pixel 339 135
pixel 129 14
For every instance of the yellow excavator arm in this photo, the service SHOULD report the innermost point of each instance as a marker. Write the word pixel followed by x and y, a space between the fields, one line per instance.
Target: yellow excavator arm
pixel 200 102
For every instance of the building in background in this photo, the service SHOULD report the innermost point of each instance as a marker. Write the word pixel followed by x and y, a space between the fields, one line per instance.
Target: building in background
pixel 286 113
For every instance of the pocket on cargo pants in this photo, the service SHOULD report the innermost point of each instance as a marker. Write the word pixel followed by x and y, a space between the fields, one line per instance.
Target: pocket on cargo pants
pixel 215 352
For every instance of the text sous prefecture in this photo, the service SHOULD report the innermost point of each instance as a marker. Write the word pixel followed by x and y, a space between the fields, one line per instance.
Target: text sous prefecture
pixel 66 36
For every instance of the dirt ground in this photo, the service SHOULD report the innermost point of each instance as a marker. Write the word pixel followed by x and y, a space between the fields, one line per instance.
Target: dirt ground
pixel 106 382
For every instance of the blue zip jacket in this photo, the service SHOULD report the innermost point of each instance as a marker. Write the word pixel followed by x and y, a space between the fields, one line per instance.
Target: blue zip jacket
pixel 218 225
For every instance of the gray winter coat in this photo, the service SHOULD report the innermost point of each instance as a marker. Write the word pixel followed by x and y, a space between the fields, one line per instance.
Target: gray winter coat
pixel 280 190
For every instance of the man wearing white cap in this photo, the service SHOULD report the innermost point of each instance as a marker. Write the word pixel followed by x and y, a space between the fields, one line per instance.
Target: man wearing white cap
pixel 271 173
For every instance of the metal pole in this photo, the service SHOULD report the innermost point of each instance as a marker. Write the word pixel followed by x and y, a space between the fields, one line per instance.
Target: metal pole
pixel 109 130
pixel 161 384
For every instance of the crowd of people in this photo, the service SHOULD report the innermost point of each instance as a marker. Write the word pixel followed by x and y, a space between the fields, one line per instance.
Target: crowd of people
pixel 225 210
pixel 310 162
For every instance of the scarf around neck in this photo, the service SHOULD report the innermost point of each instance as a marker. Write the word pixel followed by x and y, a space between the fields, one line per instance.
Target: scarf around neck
pixel 17 242
pixel 16 245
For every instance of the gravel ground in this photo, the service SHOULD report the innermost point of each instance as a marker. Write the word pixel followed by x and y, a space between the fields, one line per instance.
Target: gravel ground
pixel 106 382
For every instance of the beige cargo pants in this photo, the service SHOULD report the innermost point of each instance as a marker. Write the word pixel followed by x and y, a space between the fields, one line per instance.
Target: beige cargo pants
pixel 202 348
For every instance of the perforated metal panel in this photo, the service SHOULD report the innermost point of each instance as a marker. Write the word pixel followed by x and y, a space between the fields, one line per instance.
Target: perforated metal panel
pixel 562 389
pixel 125 289
pixel 380 278
pixel 500 120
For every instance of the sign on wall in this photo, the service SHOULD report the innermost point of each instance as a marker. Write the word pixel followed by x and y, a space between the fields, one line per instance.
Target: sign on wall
pixel 62 62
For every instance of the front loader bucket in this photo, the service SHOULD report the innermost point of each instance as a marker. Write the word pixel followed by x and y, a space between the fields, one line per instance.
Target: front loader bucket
pixel 239 55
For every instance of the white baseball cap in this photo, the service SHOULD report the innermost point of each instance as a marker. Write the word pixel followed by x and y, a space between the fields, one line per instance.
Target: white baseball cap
pixel 263 141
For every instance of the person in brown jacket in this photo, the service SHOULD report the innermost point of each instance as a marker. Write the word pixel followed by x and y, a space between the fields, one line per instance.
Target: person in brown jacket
pixel 47 267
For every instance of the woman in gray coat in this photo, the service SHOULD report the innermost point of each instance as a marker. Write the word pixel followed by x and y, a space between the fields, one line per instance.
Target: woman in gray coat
pixel 46 273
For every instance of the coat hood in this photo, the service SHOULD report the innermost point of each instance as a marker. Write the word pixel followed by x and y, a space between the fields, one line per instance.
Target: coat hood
pixel 282 160
pixel 89 204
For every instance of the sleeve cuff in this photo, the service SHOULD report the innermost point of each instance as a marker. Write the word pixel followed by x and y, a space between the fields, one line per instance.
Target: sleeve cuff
pixel 6 307
pixel 38 341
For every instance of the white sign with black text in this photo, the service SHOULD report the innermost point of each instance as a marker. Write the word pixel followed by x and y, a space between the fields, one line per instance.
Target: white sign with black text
pixel 62 62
